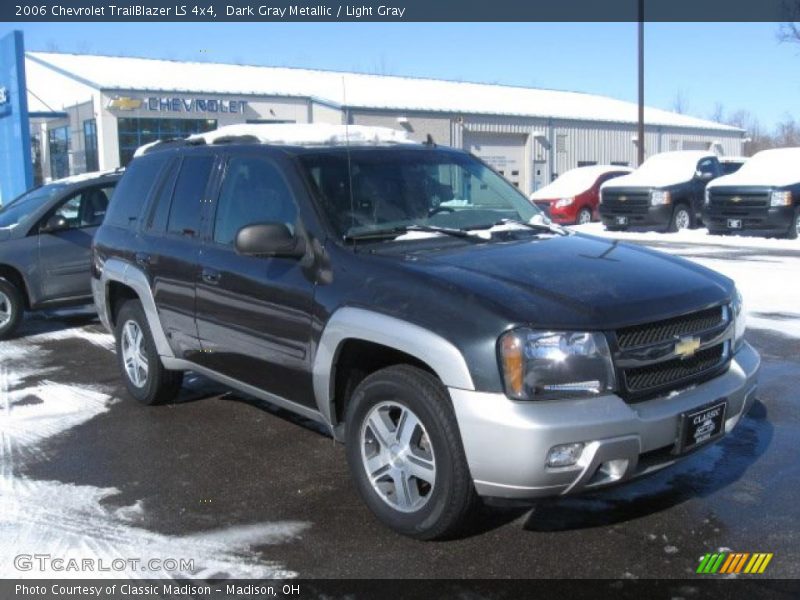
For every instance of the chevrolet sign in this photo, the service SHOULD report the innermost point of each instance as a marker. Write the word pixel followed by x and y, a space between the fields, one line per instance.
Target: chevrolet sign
pixel 124 103
pixel 687 346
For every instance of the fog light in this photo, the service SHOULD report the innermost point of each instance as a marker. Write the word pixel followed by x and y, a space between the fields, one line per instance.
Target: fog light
pixel 564 455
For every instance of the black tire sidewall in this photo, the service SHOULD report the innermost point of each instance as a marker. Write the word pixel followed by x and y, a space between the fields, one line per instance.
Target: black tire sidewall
pixel 132 311
pixel 792 233
pixel 367 395
pixel 17 308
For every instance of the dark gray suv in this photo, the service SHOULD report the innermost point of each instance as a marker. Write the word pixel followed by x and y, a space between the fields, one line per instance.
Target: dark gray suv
pixel 45 243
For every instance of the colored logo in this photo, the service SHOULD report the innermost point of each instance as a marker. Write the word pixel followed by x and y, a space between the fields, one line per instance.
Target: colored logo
pixel 687 346
pixel 123 103
pixel 724 563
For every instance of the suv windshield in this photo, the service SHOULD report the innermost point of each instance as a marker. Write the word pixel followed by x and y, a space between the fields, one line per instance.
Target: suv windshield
pixel 26 204
pixel 393 189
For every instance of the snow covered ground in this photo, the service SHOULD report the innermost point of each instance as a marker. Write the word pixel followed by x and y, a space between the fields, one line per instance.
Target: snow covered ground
pixel 767 271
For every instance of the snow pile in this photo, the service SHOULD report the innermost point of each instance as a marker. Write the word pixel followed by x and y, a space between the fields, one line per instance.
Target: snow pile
pixel 780 166
pixel 574 182
pixel 667 168
pixel 307 134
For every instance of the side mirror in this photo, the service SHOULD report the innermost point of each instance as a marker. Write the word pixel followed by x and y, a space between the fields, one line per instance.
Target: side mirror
pixel 54 223
pixel 269 239
pixel 704 175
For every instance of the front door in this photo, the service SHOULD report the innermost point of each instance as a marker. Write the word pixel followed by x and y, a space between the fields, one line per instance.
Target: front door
pixel 254 313
pixel 65 254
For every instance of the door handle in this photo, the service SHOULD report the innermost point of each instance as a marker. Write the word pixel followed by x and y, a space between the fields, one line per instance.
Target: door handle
pixel 210 276
pixel 143 259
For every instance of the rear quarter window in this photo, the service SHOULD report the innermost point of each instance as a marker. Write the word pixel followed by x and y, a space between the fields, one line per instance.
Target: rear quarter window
pixel 132 191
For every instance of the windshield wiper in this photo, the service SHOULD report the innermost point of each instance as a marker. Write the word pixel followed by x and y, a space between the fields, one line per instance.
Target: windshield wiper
pixel 393 232
pixel 550 227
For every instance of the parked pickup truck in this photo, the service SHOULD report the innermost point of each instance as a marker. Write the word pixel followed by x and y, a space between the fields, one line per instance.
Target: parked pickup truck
pixel 419 307
pixel 762 198
pixel 665 193
pixel 45 242
pixel 572 199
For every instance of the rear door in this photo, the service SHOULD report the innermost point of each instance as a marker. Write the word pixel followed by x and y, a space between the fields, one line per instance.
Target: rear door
pixel 65 255
pixel 172 242
pixel 254 313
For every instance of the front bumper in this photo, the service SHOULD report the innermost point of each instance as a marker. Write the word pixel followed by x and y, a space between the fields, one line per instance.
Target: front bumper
pixel 638 216
pixel 507 442
pixel 775 220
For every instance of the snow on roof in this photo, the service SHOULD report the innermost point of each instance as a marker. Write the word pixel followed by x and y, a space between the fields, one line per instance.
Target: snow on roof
pixel 779 166
pixel 666 168
pixel 316 134
pixel 575 181
pixel 359 90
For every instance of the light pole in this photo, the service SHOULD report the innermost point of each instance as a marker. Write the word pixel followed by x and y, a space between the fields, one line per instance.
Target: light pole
pixel 640 133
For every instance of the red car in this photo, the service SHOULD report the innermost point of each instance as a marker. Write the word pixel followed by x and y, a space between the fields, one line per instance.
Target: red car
pixel 573 198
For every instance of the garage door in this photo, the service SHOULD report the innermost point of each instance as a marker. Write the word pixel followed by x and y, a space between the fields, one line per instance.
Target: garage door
pixel 504 152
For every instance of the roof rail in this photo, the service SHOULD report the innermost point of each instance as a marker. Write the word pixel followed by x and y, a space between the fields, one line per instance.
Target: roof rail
pixel 166 144
pixel 233 139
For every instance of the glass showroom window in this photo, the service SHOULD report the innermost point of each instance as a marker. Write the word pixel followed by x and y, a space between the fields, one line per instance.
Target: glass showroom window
pixel 90 144
pixel 135 132
pixel 58 142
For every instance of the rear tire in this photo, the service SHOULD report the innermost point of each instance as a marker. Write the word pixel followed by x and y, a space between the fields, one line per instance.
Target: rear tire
pixel 681 219
pixel 145 377
pixel 12 307
pixel 415 478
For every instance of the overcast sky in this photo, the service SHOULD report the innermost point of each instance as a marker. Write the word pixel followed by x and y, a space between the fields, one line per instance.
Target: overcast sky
pixel 741 65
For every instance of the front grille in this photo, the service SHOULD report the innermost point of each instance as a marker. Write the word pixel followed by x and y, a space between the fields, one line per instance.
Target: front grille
pixel 640 379
pixel 743 201
pixel 631 199
pixel 660 331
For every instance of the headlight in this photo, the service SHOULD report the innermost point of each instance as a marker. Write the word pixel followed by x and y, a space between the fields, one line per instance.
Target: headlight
pixel 739 321
pixel 660 197
pixel 564 202
pixel 778 198
pixel 547 365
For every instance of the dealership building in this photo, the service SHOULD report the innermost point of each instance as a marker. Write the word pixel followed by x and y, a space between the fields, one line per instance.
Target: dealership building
pixel 91 112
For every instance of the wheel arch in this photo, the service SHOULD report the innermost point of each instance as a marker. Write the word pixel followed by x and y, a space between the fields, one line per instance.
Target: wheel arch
pixel 355 334
pixel 15 276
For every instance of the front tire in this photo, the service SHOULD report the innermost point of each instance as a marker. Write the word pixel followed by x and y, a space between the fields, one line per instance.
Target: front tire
pixel 145 377
pixel 12 307
pixel 584 216
pixel 794 228
pixel 405 454
pixel 681 219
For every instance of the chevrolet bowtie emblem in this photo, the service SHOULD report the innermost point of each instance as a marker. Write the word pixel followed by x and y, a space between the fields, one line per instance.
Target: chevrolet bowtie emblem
pixel 736 199
pixel 123 103
pixel 623 198
pixel 687 346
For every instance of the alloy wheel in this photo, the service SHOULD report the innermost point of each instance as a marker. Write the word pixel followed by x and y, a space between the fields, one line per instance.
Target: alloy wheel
pixel 397 456
pixel 682 219
pixel 134 354
pixel 5 309
pixel 584 217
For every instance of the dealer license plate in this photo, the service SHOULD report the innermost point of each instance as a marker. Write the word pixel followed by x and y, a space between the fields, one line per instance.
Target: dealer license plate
pixel 701 426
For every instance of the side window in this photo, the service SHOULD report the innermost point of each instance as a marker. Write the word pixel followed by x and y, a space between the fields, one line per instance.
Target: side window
pixel 159 212
pixel 86 208
pixel 132 191
pixel 253 192
pixel 707 165
pixel 184 215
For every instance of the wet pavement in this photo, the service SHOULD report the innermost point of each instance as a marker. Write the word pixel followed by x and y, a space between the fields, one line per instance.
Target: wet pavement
pixel 248 490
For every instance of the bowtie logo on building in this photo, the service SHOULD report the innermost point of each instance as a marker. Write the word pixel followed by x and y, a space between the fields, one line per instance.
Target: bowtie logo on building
pixel 725 563
pixel 125 103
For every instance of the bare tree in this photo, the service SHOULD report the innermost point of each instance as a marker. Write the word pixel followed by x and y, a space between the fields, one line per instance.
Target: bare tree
pixel 680 104
pixel 718 113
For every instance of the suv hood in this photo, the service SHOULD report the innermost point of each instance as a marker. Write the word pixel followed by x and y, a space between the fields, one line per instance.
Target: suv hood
pixel 573 281
pixel 646 180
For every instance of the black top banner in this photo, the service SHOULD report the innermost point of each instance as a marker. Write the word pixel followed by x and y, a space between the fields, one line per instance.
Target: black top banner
pixel 401 10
